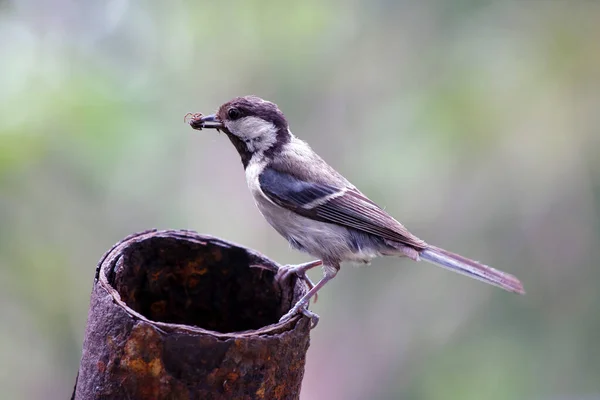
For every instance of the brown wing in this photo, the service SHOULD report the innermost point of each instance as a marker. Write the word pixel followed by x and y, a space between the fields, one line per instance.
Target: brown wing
pixel 338 205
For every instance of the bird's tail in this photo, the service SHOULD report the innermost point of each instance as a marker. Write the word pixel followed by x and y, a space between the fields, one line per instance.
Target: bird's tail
pixel 472 269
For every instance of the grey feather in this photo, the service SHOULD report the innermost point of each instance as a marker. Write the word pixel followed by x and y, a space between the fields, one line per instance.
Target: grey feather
pixel 343 206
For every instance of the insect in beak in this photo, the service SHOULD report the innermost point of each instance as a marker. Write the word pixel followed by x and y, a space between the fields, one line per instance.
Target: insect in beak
pixel 199 122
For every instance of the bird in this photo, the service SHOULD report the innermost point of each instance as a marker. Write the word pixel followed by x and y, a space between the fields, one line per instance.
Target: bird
pixel 316 209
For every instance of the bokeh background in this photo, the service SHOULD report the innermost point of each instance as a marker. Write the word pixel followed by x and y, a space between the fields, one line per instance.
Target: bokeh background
pixel 476 123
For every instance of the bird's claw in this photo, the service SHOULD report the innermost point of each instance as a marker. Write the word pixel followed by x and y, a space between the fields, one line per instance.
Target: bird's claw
pixel 314 318
pixel 284 272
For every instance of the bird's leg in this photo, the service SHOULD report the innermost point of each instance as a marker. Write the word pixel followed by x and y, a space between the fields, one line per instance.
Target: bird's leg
pixel 329 273
pixel 300 270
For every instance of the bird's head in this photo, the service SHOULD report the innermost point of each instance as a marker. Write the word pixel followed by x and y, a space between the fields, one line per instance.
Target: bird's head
pixel 254 126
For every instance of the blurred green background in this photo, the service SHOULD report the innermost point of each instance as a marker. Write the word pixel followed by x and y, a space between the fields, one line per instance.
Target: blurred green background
pixel 475 123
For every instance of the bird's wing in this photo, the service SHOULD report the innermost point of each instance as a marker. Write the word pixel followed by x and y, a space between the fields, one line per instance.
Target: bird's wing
pixel 345 206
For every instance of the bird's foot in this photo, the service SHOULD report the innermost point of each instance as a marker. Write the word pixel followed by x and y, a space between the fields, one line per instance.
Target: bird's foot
pixel 284 273
pixel 302 304
pixel 300 307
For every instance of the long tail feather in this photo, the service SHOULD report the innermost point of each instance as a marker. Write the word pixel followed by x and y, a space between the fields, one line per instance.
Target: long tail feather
pixel 472 269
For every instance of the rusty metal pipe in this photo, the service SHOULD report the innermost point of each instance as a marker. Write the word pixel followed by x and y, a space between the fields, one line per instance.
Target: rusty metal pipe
pixel 178 315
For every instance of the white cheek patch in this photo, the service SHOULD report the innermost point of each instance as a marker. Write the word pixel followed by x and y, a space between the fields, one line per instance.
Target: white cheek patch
pixel 258 134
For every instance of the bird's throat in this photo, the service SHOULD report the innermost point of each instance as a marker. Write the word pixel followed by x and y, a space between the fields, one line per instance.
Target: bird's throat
pixel 241 147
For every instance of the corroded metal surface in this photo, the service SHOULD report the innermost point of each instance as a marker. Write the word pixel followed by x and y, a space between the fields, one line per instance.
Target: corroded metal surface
pixel 178 315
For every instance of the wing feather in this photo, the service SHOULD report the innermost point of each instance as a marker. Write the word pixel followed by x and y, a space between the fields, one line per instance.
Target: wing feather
pixel 344 206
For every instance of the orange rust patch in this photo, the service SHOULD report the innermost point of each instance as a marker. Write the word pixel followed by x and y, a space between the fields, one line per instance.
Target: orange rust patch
pixel 230 379
pixel 260 393
pixel 136 365
pixel 279 391
pixel 141 353
pixel 155 367
pixel 233 376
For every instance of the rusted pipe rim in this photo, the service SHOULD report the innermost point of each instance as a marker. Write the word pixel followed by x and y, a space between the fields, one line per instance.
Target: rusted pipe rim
pixel 110 261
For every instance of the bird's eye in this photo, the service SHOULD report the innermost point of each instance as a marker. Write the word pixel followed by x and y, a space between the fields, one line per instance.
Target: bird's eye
pixel 233 113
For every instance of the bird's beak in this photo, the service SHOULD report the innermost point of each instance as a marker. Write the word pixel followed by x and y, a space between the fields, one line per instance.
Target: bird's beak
pixel 207 122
